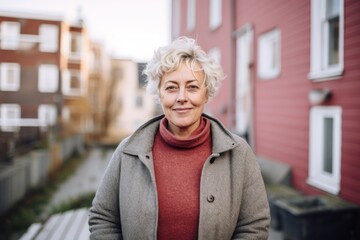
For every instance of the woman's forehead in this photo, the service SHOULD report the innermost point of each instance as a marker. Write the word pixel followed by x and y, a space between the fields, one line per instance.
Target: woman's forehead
pixel 185 71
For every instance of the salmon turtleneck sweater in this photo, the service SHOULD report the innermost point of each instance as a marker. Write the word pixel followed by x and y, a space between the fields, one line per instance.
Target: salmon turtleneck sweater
pixel 178 165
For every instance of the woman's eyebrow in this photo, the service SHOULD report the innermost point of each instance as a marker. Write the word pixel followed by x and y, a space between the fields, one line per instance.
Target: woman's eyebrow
pixel 175 81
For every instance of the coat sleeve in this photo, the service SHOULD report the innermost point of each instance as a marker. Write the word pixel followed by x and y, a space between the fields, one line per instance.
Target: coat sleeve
pixel 254 217
pixel 104 215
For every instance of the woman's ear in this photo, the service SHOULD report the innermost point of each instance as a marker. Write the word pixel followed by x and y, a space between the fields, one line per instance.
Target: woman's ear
pixel 207 97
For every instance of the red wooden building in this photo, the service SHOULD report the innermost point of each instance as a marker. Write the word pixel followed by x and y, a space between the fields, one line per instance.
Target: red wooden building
pixel 293 82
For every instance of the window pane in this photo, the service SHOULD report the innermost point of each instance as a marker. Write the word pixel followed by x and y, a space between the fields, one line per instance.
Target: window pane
pixel 12 77
pixel 327 39
pixel 74 46
pixel 10 33
pixel 269 55
pixel 191 14
pixel 48 38
pixel 47 114
pixel 328 145
pixel 332 8
pixel 215 13
pixel 334 41
pixel 9 76
pixel 9 115
pixel 75 82
pixel 275 55
pixel 48 78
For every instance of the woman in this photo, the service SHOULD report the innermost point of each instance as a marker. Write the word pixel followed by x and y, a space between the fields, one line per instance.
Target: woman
pixel 181 175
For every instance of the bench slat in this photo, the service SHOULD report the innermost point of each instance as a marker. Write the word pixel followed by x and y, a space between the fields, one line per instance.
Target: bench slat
pixel 62 226
pixel 32 231
pixel 79 221
pixel 48 227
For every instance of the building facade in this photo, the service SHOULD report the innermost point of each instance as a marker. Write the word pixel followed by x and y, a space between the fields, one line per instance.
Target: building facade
pixel 293 66
pixel 43 83
pixel 129 104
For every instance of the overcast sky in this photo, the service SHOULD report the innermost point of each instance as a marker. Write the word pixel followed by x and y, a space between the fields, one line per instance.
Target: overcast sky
pixel 128 28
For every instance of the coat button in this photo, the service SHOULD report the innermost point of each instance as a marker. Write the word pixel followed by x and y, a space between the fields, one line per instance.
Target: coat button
pixel 210 198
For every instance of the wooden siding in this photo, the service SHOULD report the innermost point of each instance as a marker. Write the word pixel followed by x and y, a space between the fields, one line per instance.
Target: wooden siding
pixel 346 94
pixel 281 108
pixel 281 105
pixel 221 106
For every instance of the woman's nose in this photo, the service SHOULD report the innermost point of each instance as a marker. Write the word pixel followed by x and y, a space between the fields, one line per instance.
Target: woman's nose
pixel 181 95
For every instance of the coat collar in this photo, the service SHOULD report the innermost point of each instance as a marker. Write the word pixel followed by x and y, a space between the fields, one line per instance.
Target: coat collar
pixel 141 141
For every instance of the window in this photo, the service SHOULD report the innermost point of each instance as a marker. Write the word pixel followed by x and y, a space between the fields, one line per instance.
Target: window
pixel 215 14
pixel 176 18
pixel 75 46
pixel 48 38
pixel 9 117
pixel 10 35
pixel 47 114
pixel 9 76
pixel 327 39
pixel 269 55
pixel 48 78
pixel 191 15
pixel 325 148
pixel 215 54
pixel 72 83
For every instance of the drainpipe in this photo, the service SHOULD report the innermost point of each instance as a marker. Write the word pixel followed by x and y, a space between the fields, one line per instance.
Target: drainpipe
pixel 232 117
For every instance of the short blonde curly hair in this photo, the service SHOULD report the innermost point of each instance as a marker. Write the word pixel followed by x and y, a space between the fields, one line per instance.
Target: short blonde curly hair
pixel 168 59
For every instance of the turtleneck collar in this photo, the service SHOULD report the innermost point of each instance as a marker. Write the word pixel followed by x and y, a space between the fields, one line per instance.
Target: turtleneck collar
pixel 198 137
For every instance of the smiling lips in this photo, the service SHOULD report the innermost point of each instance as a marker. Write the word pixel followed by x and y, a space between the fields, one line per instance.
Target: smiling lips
pixel 181 110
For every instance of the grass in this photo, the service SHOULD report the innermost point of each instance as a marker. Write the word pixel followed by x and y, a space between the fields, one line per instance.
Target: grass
pixel 84 200
pixel 16 221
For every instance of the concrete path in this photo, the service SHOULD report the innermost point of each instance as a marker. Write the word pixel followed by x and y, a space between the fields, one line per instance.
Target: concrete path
pixel 86 178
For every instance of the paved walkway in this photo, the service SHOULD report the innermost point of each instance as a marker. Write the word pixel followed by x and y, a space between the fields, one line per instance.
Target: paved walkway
pixel 86 178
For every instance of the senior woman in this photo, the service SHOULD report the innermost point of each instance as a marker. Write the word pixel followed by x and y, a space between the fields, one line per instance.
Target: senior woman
pixel 181 175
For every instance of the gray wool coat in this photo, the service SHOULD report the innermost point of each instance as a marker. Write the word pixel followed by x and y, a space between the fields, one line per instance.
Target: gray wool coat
pixel 233 202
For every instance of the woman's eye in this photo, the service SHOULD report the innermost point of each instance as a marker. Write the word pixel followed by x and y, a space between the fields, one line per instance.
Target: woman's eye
pixel 170 88
pixel 193 87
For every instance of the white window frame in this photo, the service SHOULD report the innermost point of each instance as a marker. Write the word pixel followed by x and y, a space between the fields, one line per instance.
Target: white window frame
pixel 191 15
pixel 48 36
pixel 66 83
pixel 9 123
pixel 77 37
pixel 10 35
pixel 269 54
pixel 320 70
pixel 215 14
pixel 47 114
pixel 5 69
pixel 48 80
pixel 318 177
pixel 176 18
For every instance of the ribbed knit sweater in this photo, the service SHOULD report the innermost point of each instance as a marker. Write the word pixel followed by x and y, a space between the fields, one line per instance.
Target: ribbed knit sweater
pixel 178 165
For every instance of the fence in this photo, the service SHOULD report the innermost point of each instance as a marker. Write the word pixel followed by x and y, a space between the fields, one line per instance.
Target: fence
pixel 32 169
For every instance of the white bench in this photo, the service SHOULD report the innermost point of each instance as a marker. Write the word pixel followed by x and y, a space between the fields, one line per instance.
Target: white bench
pixel 69 225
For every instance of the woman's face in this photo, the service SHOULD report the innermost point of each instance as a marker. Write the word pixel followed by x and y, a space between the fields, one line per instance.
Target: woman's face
pixel 183 95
